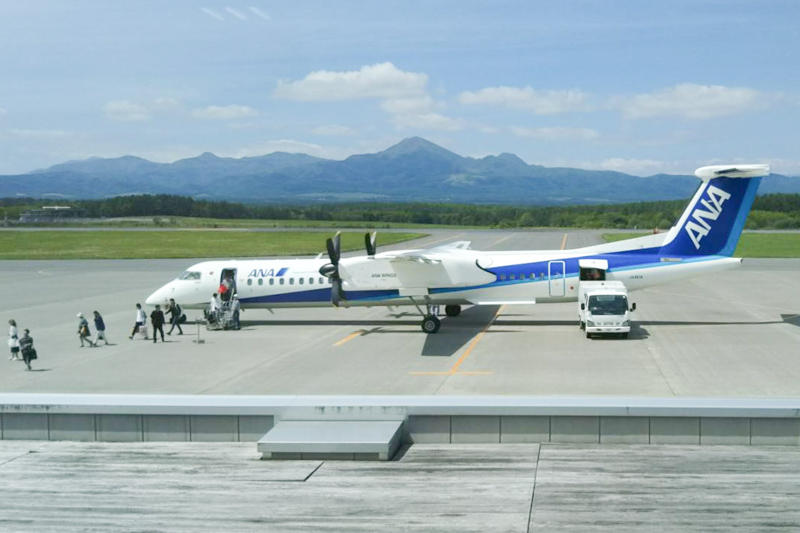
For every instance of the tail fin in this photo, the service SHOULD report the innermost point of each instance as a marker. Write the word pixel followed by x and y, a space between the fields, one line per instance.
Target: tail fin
pixel 713 220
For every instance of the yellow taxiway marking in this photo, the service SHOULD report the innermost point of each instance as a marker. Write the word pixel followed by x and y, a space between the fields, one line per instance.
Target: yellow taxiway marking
pixel 349 337
pixel 564 242
pixel 454 369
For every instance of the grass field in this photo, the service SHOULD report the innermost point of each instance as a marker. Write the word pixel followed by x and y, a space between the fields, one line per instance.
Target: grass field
pixel 750 245
pixel 47 244
pixel 199 222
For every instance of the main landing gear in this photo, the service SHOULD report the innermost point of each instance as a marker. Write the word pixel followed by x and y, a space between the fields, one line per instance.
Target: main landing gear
pixel 431 322
pixel 452 310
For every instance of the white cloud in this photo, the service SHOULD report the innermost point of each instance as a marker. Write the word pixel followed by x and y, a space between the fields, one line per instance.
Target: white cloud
pixel 402 94
pixel 689 100
pixel 228 112
pixel 546 102
pixel 380 81
pixel 236 13
pixel 333 130
pixel 211 13
pixel 259 13
pixel 126 110
pixel 557 133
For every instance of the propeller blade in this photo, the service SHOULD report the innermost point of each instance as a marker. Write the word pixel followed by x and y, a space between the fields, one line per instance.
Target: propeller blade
pixel 336 291
pixel 369 241
pixel 333 249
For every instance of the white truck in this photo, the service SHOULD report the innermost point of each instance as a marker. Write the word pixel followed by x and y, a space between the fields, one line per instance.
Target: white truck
pixel 603 308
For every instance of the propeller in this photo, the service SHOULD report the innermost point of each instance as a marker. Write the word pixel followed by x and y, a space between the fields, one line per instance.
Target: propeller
pixel 369 241
pixel 331 270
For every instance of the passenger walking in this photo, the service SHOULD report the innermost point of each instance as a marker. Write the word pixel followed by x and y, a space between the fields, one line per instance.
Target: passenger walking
pixel 100 326
pixel 83 330
pixel 28 351
pixel 157 319
pixel 13 340
pixel 214 307
pixel 174 311
pixel 141 320
pixel 235 307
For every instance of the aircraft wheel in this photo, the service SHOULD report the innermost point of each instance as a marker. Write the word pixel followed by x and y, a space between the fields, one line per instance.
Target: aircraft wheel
pixel 430 324
pixel 452 310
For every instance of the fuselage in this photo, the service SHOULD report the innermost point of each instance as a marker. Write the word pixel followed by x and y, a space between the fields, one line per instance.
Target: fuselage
pixel 524 276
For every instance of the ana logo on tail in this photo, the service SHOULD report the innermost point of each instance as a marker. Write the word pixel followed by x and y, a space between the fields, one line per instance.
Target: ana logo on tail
pixel 699 227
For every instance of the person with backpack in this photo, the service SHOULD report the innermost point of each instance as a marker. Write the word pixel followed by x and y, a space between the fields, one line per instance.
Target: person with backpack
pixel 100 326
pixel 83 330
pixel 174 311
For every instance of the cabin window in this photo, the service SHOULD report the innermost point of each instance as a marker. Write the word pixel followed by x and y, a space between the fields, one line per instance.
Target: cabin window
pixel 512 276
pixel 502 277
pixel 281 281
pixel 189 275
pixel 291 281
pixel 532 275
pixel 260 281
pixel 321 281
pixel 272 281
pixel 310 281
pixel 300 281
pixel 249 281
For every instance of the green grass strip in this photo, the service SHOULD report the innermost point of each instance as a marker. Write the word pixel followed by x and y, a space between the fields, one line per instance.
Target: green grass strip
pixel 48 244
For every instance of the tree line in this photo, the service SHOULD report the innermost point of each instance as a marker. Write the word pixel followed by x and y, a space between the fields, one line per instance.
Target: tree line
pixel 771 211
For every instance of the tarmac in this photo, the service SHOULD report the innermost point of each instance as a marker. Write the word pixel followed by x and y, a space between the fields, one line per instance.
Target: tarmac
pixel 732 334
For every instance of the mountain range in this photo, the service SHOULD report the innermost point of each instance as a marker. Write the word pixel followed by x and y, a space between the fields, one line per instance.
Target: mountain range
pixel 413 170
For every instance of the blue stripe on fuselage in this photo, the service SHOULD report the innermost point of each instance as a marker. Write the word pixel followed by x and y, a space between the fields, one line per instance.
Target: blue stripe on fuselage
pixel 319 295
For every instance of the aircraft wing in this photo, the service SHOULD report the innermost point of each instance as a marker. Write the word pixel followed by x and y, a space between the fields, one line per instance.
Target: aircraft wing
pixel 414 269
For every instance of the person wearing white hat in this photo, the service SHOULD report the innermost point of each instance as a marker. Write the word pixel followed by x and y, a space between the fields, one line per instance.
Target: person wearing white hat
pixel 83 330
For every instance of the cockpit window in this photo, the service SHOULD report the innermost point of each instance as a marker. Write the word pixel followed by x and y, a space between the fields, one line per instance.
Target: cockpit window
pixel 189 275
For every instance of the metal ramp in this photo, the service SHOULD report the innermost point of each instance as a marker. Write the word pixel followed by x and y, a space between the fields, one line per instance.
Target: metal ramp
pixel 369 440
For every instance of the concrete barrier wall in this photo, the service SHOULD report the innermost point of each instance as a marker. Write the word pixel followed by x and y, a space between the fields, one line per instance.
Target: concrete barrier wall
pixel 419 429
pixel 604 430
pixel 432 419
pixel 134 428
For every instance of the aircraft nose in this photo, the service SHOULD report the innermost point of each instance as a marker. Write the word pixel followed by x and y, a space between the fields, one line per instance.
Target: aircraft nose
pixel 160 296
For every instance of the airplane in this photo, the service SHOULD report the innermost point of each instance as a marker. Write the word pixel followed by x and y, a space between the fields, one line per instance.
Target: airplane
pixel 702 241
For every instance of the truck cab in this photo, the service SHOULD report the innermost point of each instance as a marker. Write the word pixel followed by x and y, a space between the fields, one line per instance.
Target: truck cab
pixel 603 308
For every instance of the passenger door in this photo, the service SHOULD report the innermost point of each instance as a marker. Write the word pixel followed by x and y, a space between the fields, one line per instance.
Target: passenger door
pixel 556 273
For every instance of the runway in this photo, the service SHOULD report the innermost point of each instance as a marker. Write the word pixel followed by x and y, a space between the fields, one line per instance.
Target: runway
pixel 731 334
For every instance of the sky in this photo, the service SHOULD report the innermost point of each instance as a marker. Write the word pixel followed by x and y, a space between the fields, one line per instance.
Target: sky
pixel 639 87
